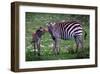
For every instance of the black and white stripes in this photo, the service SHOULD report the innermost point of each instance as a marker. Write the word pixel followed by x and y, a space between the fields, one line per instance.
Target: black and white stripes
pixel 60 30
pixel 66 30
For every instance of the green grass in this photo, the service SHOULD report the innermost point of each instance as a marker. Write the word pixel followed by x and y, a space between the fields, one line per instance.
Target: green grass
pixel 35 20
pixel 63 55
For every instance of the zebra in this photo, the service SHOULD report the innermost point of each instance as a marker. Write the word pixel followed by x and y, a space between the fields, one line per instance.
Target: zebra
pixel 66 30
pixel 36 39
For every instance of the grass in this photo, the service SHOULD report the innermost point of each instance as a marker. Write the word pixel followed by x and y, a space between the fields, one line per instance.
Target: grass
pixel 63 55
pixel 35 20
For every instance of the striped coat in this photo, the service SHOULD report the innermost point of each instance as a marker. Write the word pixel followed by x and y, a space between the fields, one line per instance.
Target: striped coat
pixel 65 30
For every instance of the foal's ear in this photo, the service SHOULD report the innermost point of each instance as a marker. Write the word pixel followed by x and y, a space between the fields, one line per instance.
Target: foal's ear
pixel 41 29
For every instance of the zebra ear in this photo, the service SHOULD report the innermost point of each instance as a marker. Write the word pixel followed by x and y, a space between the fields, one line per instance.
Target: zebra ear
pixel 41 29
pixel 52 23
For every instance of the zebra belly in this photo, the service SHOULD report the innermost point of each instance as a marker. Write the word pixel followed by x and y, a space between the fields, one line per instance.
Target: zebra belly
pixel 68 38
pixel 65 36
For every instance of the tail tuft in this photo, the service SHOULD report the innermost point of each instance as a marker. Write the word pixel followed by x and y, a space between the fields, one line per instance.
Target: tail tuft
pixel 85 35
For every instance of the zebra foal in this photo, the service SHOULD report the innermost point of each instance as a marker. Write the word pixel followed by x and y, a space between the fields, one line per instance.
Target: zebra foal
pixel 36 39
pixel 66 30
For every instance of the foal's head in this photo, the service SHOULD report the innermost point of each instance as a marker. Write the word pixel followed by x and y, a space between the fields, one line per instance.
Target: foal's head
pixel 40 31
pixel 36 38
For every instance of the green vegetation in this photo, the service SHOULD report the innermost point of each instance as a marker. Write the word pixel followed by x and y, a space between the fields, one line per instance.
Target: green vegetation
pixel 35 20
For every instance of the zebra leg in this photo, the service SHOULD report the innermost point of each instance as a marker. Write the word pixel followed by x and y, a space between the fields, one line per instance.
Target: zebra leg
pixel 56 49
pixel 81 41
pixel 81 51
pixel 77 43
pixel 38 47
pixel 54 44
pixel 57 46
pixel 34 48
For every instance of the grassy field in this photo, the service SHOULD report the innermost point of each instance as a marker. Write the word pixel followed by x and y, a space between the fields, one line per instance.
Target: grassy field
pixel 35 20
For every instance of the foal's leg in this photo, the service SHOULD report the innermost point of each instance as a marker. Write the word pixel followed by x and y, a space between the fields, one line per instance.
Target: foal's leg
pixel 38 47
pixel 35 48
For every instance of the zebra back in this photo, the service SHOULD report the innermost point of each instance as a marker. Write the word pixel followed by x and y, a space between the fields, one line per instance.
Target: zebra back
pixel 65 30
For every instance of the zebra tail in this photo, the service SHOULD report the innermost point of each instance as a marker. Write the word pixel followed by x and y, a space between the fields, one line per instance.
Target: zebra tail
pixel 85 35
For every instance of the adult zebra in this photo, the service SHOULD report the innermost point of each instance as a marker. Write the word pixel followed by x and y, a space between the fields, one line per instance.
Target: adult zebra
pixel 66 30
